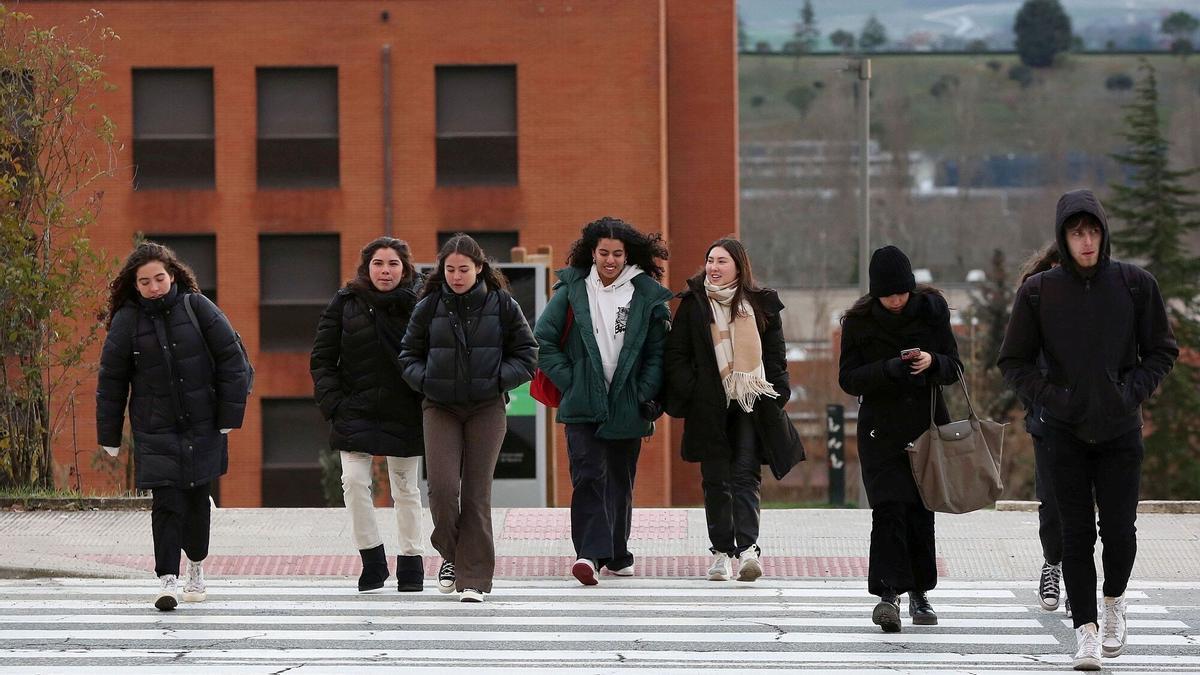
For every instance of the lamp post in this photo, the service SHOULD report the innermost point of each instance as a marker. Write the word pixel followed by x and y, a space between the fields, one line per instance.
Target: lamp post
pixel 863 69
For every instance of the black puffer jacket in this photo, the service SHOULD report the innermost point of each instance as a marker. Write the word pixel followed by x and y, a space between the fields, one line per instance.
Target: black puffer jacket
pixel 894 404
pixel 180 401
pixel 356 375
pixel 467 348
pixel 695 391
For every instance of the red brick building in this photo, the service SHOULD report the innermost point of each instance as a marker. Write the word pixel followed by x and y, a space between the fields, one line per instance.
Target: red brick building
pixel 270 140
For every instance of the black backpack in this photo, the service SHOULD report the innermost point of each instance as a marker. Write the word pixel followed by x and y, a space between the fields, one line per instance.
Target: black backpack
pixel 187 304
pixel 1131 283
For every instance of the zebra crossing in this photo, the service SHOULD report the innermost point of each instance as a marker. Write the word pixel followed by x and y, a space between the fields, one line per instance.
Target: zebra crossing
pixel 98 626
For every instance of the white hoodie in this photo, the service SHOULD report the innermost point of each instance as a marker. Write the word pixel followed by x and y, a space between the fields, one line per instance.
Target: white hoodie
pixel 609 306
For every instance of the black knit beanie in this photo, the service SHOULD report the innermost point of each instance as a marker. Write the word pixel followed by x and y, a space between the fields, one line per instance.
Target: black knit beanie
pixel 891 272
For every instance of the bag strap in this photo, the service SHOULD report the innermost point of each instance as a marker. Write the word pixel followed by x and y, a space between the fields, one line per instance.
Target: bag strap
pixel 187 305
pixel 934 391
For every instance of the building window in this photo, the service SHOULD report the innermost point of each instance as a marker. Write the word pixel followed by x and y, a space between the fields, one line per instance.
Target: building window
pixel 297 128
pixel 476 125
pixel 497 245
pixel 173 136
pixel 298 275
pixel 197 251
pixel 293 437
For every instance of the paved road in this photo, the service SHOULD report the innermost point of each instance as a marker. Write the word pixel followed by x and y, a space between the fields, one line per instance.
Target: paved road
pixel 273 625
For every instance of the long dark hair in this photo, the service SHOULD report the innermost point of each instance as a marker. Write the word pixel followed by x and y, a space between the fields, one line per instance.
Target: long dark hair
pixel 1041 260
pixel 122 287
pixel 463 244
pixel 643 250
pixel 747 289
pixel 362 278
pixel 862 306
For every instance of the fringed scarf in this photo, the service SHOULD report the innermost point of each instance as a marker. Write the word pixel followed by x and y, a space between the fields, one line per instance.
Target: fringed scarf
pixel 738 348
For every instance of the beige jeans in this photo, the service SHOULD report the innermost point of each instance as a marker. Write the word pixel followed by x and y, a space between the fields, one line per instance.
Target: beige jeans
pixel 356 489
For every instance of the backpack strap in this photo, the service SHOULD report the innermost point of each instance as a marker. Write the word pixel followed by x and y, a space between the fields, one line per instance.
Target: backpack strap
pixel 1035 292
pixel 1134 285
pixel 187 305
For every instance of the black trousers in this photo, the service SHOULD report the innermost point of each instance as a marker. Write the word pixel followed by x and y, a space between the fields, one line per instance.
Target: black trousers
pixel 1049 523
pixel 903 558
pixel 602 475
pixel 1088 476
pixel 731 488
pixel 180 519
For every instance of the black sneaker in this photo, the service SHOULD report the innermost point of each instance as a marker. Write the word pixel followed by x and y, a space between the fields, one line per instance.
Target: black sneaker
pixel 446 577
pixel 1048 586
pixel 886 614
pixel 920 610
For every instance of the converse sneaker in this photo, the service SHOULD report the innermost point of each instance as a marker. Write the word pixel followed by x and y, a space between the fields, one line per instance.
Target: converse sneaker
pixel 626 571
pixel 1113 626
pixel 471 595
pixel 886 614
pixel 446 577
pixel 168 593
pixel 749 567
pixel 1087 656
pixel 585 571
pixel 1048 587
pixel 194 588
pixel 721 568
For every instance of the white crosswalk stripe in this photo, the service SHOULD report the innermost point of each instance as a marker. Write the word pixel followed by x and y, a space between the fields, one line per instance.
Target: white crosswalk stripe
pixel 95 627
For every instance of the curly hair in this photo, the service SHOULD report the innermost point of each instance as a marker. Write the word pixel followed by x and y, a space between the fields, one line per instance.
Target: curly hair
pixel 1041 260
pixel 122 287
pixel 362 276
pixel 463 244
pixel 643 250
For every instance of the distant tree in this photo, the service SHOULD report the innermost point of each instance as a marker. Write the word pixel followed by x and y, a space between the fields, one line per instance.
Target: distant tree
pixel 873 35
pixel 842 39
pixel 1181 26
pixel 743 40
pixel 1118 82
pixel 1110 45
pixel 1077 44
pixel 801 98
pixel 806 34
pixel 1157 214
pixel 1043 31
pixel 762 47
pixel 945 85
pixel 1022 75
pixel 977 46
pixel 991 305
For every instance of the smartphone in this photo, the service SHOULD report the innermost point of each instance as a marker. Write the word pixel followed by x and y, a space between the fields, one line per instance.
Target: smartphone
pixel 910 354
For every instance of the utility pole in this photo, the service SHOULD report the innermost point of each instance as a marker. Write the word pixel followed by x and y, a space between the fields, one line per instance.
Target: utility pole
pixel 863 66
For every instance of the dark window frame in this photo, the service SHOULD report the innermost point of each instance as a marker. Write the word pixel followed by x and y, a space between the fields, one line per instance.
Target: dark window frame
pixel 307 160
pixel 155 154
pixel 467 158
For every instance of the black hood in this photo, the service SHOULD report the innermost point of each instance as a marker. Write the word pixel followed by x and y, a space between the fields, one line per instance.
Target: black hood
pixel 1070 204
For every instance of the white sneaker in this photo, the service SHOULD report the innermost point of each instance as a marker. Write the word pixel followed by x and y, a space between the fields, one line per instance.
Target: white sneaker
pixel 749 568
pixel 1087 656
pixel 471 595
pixel 194 588
pixel 624 571
pixel 721 568
pixel 168 593
pixel 585 571
pixel 1113 626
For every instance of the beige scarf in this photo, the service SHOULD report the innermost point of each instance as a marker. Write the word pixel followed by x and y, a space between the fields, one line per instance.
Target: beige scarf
pixel 738 347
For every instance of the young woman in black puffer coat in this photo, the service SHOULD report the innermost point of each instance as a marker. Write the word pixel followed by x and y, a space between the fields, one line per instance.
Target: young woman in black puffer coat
pixel 186 390
pixel 897 347
pixel 372 412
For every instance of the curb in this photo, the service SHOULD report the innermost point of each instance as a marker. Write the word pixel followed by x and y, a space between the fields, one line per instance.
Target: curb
pixel 1147 506
pixel 76 503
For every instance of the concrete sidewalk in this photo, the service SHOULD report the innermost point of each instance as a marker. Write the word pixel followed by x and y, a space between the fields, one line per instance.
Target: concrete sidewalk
pixel 535 543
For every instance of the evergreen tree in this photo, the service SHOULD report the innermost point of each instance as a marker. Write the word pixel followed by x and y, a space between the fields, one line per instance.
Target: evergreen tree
pixel 991 306
pixel 806 34
pixel 1043 31
pixel 1156 215
pixel 743 40
pixel 873 35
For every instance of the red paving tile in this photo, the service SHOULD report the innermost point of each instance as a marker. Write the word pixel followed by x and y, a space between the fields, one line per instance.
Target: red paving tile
pixel 510 566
